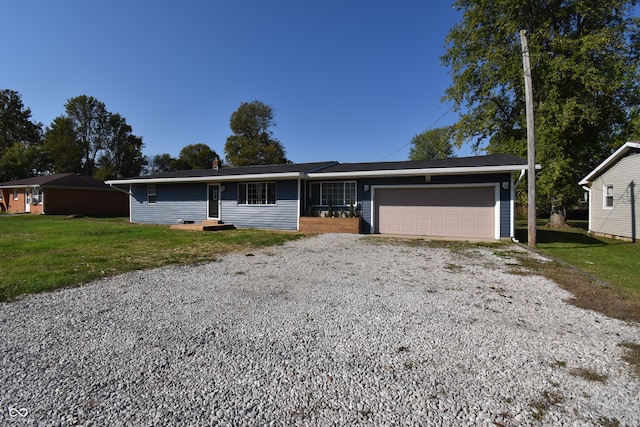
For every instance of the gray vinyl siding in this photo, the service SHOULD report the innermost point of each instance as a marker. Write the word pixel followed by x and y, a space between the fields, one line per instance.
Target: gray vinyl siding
pixel 624 218
pixel 281 216
pixel 175 202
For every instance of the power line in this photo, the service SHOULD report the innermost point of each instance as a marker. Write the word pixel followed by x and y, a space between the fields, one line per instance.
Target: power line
pixel 429 128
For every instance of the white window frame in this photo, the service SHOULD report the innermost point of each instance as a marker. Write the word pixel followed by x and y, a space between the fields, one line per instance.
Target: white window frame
pixel 35 196
pixel 15 195
pixel 262 199
pixel 606 197
pixel 152 195
pixel 344 202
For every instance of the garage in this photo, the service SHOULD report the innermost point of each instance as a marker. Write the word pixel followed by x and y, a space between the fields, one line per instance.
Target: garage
pixel 454 212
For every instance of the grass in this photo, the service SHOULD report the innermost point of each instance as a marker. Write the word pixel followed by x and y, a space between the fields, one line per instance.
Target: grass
pixel 601 273
pixel 540 406
pixel 39 253
pixel 589 375
pixel 632 355
pixel 614 261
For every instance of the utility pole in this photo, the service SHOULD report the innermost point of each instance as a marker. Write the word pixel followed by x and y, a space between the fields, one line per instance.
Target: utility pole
pixel 531 143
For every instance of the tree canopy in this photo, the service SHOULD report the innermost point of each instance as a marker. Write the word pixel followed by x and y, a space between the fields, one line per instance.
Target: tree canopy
pixel 90 140
pixel 20 138
pixel 252 142
pixel 584 60
pixel 195 156
pixel 432 144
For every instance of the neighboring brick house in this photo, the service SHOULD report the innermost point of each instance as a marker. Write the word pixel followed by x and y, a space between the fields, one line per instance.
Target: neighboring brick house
pixel 62 194
pixel 614 194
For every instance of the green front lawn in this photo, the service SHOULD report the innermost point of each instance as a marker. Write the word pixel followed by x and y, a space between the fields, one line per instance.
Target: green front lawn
pixel 613 261
pixel 42 253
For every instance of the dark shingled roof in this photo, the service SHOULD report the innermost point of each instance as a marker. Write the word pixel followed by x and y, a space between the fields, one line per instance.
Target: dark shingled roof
pixel 242 170
pixel 60 180
pixel 335 167
pixel 455 162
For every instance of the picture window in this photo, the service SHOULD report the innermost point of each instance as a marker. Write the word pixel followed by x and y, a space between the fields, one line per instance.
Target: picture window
pixel 339 193
pixel 257 193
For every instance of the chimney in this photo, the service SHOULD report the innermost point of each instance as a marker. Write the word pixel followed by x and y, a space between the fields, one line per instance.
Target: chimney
pixel 215 164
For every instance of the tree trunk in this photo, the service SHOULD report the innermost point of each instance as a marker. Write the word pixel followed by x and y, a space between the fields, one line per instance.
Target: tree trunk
pixel 558 218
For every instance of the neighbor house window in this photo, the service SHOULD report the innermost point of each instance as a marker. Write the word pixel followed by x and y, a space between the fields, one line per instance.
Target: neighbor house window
pixel 608 196
pixel 257 193
pixel 15 194
pixel 151 194
pixel 340 193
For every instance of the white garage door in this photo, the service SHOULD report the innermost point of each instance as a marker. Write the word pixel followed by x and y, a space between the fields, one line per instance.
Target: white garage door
pixel 467 212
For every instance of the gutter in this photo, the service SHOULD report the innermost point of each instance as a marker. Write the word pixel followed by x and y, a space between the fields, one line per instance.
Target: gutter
pixel 413 172
pixel 209 178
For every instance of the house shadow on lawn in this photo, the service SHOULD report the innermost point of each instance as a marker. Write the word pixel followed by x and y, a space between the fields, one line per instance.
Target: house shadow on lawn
pixel 567 239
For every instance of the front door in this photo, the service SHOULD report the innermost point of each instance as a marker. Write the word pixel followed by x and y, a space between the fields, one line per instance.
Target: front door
pixel 27 200
pixel 214 201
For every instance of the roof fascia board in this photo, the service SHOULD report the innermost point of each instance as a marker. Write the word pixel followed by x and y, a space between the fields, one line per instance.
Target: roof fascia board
pixel 620 152
pixel 21 186
pixel 431 171
pixel 211 178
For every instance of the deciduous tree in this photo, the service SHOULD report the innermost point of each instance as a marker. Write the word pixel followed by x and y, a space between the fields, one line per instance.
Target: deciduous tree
pixel 432 144
pixel 64 154
pixel 122 156
pixel 20 138
pixel 91 140
pixel 160 163
pixel 196 156
pixel 252 142
pixel 584 59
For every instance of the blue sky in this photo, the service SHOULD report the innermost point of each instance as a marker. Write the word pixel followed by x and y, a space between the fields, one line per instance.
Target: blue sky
pixel 349 80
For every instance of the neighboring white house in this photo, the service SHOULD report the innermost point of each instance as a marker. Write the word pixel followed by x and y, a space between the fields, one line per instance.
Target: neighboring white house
pixel 614 194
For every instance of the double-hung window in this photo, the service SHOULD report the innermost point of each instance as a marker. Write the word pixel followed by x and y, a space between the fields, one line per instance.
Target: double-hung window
pixel 608 196
pixel 152 197
pixel 338 193
pixel 15 194
pixel 257 193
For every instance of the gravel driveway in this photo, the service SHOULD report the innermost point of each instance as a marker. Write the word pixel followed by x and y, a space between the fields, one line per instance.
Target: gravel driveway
pixel 330 330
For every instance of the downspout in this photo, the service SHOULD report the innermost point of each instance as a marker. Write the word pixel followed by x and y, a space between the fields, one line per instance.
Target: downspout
pixel 588 190
pixel 522 173
pixel 299 204
pixel 121 190
pixel 513 204
pixel 130 194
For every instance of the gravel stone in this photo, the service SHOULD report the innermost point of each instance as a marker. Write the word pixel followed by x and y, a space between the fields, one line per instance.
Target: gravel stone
pixel 329 330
